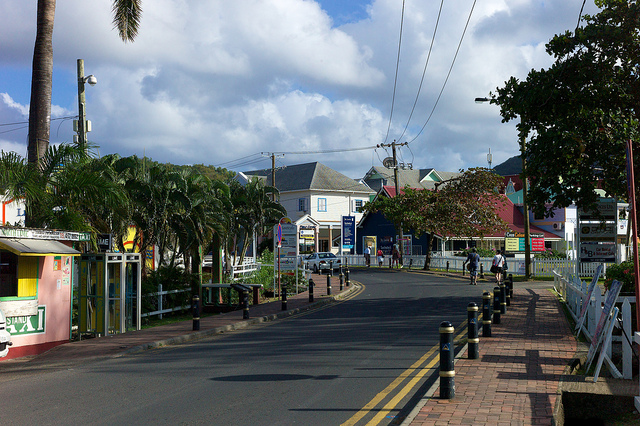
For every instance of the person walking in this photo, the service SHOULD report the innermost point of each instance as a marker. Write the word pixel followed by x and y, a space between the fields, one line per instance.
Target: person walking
pixel 496 266
pixel 474 263
pixel 395 257
pixel 380 258
pixel 367 256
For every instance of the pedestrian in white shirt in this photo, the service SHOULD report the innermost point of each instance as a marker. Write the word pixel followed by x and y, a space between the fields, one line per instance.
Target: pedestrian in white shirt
pixel 497 266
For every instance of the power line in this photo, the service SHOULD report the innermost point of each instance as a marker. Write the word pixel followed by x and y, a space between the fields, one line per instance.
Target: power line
pixel 424 71
pixel 395 80
pixel 448 74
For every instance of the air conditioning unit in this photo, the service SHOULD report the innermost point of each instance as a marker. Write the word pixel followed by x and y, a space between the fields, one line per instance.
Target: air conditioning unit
pixel 558 226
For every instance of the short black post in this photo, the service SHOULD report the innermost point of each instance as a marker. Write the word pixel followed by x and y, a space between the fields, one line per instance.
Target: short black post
pixel 481 271
pixel 331 267
pixel 511 289
pixel 472 331
pixel 447 373
pixel 346 275
pixel 410 263
pixel 507 288
pixel 341 280
pixel 328 285
pixel 447 266
pixel 245 303
pixel 196 313
pixel 284 298
pixel 311 285
pixel 503 298
pixel 486 314
pixel 496 305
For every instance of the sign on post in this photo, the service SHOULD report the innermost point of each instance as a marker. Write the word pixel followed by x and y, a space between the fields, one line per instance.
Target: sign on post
pixel 348 232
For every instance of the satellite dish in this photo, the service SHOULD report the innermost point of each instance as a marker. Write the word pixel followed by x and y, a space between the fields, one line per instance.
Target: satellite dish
pixel 388 162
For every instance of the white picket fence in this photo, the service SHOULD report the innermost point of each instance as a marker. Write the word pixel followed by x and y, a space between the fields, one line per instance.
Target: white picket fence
pixel 540 268
pixel 574 292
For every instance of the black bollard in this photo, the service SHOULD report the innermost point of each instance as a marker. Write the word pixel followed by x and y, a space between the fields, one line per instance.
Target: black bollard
pixel 447 266
pixel 311 285
pixel 346 275
pixel 481 271
pixel 328 285
pixel 507 288
pixel 331 267
pixel 503 299
pixel 196 313
pixel 284 298
pixel 447 373
pixel 511 289
pixel 496 305
pixel 486 314
pixel 341 281
pixel 410 263
pixel 472 331
pixel 245 303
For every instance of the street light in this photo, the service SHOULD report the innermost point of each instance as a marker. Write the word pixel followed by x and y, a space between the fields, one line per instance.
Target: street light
pixel 525 206
pixel 83 125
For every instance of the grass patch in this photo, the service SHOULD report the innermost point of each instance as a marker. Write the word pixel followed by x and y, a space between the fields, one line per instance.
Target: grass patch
pixel 169 319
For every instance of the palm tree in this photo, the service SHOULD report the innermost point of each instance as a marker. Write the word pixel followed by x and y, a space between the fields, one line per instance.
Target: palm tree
pixel 126 17
pixel 61 191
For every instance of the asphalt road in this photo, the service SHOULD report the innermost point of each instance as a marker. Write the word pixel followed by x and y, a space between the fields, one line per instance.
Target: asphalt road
pixel 365 360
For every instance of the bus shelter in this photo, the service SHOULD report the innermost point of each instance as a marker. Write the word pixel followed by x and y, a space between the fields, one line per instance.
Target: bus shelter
pixel 109 293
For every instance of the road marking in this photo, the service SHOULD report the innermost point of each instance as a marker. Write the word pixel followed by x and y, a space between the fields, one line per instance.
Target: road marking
pixel 395 400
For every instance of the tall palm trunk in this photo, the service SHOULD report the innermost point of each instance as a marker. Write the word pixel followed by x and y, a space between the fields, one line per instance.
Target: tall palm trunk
pixel 42 71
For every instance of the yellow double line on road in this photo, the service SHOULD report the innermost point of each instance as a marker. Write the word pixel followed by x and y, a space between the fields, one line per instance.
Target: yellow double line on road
pixel 392 404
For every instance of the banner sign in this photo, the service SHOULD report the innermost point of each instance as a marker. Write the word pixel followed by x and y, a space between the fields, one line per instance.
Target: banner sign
pixel 604 232
pixel 348 231
pixel 32 324
pixel 44 234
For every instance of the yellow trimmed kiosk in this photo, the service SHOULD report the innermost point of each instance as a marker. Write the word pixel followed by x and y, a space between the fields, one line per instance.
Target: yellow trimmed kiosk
pixel 36 287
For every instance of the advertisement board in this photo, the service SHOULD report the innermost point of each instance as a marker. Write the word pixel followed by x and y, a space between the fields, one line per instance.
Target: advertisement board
pixel 348 232
pixel 597 252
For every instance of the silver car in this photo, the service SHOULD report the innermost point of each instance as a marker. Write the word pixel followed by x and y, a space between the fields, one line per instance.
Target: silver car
pixel 322 260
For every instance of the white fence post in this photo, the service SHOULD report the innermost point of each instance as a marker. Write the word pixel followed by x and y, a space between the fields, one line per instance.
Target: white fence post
pixel 627 353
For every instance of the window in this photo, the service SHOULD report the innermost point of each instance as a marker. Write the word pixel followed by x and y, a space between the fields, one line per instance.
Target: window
pixel 18 281
pixel 322 204
pixel 358 206
pixel 302 204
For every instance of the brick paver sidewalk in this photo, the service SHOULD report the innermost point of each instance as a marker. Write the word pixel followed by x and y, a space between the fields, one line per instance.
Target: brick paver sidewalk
pixel 515 380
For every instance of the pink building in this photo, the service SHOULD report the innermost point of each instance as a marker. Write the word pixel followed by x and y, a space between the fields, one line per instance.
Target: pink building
pixel 36 287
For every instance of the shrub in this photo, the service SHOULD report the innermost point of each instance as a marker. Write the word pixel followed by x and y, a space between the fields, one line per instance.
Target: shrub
pixel 265 275
pixel 483 252
pixel 551 254
pixel 622 272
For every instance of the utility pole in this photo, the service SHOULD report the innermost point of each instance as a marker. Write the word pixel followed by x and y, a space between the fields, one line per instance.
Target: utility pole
pixel 273 156
pixel 525 208
pixel 83 125
pixel 395 178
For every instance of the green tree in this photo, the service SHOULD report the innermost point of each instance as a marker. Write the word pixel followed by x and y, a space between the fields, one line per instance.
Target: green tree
pixel 466 206
pixel 579 113
pixel 126 19
pixel 62 192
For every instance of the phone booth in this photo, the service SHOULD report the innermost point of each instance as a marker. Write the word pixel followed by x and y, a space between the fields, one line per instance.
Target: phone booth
pixel 109 293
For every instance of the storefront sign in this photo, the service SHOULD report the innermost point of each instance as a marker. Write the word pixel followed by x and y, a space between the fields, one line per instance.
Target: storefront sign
pixel 605 232
pixel 32 324
pixel 597 252
pixel 44 234
pixel 514 242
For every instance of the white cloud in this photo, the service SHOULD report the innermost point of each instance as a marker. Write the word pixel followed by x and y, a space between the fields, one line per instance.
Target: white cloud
pixel 209 82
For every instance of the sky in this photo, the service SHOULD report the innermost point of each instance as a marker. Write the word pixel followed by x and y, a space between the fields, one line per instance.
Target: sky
pixel 229 83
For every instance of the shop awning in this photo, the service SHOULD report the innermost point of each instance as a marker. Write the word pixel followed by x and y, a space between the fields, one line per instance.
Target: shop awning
pixel 36 247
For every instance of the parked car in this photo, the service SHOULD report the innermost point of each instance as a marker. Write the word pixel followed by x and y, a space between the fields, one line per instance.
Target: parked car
pixel 321 260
